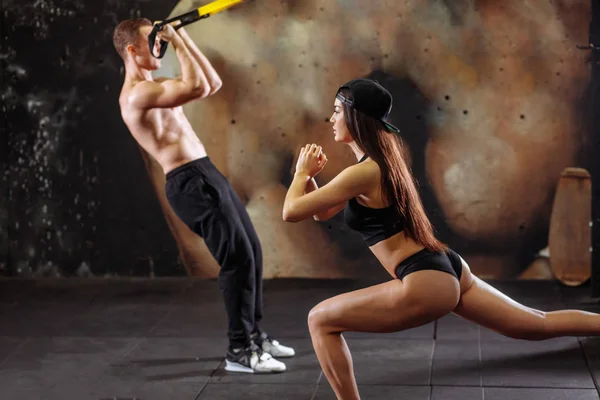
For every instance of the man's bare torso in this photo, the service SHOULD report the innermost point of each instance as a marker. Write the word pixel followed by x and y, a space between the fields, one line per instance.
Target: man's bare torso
pixel 164 133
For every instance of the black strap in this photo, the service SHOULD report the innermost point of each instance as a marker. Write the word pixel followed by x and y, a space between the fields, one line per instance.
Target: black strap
pixel 363 158
pixel 184 19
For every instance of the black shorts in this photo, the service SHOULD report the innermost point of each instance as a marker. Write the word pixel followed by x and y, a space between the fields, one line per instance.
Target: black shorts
pixel 448 261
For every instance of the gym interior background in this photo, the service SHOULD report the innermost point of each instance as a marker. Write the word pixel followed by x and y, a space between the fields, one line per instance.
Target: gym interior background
pixel 495 100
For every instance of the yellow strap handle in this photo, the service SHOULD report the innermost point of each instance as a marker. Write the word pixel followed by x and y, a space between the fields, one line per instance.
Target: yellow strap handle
pixel 216 6
pixel 187 18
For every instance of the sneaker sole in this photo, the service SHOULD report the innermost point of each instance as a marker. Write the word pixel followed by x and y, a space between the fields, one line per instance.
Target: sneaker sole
pixel 236 367
pixel 281 355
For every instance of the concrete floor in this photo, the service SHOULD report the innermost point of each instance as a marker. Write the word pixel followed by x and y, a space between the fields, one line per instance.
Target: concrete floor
pixel 165 339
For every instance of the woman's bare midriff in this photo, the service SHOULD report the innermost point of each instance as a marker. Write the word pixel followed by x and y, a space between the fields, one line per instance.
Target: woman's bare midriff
pixel 393 250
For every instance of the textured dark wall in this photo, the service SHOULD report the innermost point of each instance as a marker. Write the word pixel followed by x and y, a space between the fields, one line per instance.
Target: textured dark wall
pixel 595 147
pixel 3 150
pixel 76 198
pixel 79 200
pixel 492 99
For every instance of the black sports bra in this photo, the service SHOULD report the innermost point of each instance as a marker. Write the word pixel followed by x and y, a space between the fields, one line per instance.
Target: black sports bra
pixel 374 224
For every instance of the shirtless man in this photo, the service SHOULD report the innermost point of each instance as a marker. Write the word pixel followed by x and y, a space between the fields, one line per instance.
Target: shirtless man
pixel 198 193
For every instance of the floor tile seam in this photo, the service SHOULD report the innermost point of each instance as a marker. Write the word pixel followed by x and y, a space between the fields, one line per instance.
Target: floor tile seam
pixel 274 383
pixel 407 385
pixel 78 313
pixel 160 320
pixel 498 387
pixel 27 340
pixel 480 367
pixel 207 381
pixel 588 365
pixel 314 395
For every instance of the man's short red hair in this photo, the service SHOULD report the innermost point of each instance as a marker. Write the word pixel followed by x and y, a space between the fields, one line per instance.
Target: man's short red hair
pixel 127 32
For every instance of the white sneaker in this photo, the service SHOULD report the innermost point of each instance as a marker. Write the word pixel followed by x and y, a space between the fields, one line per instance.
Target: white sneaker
pixel 273 347
pixel 252 360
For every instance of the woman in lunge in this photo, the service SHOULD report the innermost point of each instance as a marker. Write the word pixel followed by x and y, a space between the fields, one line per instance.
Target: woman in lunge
pixel 381 202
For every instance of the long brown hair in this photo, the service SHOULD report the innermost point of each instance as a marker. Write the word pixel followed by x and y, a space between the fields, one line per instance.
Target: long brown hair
pixel 397 183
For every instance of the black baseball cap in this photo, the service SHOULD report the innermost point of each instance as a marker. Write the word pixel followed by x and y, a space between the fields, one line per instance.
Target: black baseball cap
pixel 370 98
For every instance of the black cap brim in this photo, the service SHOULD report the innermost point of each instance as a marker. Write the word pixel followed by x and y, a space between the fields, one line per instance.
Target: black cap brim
pixel 391 127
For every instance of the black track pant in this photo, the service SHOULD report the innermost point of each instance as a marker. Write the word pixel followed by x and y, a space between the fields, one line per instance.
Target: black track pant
pixel 206 202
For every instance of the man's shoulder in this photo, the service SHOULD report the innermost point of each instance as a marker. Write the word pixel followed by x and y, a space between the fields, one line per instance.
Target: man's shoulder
pixel 135 87
pixel 132 93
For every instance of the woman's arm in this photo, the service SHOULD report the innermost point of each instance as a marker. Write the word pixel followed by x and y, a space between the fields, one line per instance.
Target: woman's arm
pixel 323 216
pixel 301 203
pixel 349 183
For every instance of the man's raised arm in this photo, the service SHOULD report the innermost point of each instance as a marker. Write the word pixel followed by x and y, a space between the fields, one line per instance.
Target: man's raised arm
pixel 214 80
pixel 169 93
